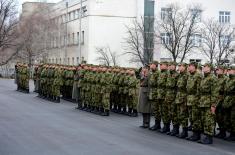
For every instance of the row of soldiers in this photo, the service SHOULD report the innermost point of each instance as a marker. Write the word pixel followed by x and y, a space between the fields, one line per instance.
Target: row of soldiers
pixel 22 76
pixel 99 89
pixel 202 97
pixel 53 80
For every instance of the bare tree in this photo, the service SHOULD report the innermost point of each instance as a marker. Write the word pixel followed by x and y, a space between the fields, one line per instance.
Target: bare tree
pixel 140 40
pixel 8 31
pixel 36 32
pixel 176 28
pixel 106 56
pixel 217 40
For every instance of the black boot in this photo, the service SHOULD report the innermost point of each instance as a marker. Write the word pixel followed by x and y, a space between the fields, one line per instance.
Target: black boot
pixel 184 133
pixel 175 130
pixel 166 128
pixel 145 121
pixel 119 110
pixel 206 139
pixel 57 100
pixel 84 107
pixel 105 113
pixel 231 137
pixel 129 111
pixel 221 134
pixel 156 126
pixel 114 108
pixel 190 128
pixel 194 137
pixel 79 105
pixel 124 111
pixel 134 114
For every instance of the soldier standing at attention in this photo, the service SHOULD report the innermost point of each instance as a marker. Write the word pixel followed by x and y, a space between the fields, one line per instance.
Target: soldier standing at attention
pixel 193 84
pixel 207 104
pixel 219 92
pixel 181 100
pixel 155 106
pixel 161 91
pixel 229 104
pixel 169 106
pixel 144 106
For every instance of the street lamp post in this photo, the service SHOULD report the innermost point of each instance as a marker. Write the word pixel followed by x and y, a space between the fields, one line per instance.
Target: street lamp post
pixel 66 33
pixel 80 32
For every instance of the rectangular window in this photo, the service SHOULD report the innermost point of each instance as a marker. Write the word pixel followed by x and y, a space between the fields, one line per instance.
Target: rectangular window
pixel 77 37
pixel 83 37
pixel 166 13
pixel 60 60
pixel 166 38
pixel 77 60
pixel 224 40
pixel 68 61
pixel 68 39
pixel 197 14
pixel 224 17
pixel 196 40
pixel 69 16
pixel 72 60
pixel 73 41
pixel 74 14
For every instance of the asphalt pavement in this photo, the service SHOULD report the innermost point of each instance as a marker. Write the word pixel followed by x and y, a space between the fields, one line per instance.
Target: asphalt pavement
pixel 32 126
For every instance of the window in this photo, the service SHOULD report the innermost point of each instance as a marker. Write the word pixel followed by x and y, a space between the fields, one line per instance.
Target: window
pixel 73 39
pixel 196 40
pixel 74 14
pixel 68 61
pixel 166 59
pixel 77 13
pixel 69 16
pixel 72 60
pixel 224 16
pixel 77 60
pixel 224 40
pixel 166 38
pixel 83 37
pixel 68 39
pixel 195 60
pixel 56 60
pixel 64 40
pixel 197 14
pixel 77 37
pixel 166 13
pixel 60 60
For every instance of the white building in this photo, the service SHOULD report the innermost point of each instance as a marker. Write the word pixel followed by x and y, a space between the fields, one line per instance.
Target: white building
pixel 103 25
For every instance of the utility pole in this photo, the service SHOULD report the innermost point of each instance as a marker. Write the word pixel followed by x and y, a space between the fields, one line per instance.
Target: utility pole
pixel 80 32
pixel 66 34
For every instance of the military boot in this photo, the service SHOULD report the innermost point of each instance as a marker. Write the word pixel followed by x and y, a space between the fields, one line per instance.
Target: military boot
pixel 175 130
pixel 119 110
pixel 206 139
pixel 221 134
pixel 105 113
pixel 84 107
pixel 130 110
pixel 124 112
pixel 156 126
pixel 101 111
pixel 231 137
pixel 145 121
pixel 190 127
pixel 115 108
pixel 57 100
pixel 166 128
pixel 92 109
pixel 184 133
pixel 134 114
pixel 79 105
pixel 194 137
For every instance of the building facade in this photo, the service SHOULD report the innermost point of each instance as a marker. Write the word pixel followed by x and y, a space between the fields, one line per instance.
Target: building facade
pixel 103 24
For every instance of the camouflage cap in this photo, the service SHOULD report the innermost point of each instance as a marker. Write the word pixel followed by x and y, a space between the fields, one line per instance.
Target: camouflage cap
pixel 172 63
pixel 155 62
pixel 183 64
pixel 220 67
pixel 231 67
pixel 209 65
pixel 194 64
pixel 164 62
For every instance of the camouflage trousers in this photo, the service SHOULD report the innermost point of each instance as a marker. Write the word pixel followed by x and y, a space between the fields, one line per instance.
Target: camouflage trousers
pixel 106 101
pixel 221 116
pixel 196 117
pixel 166 110
pixel 56 90
pixel 207 121
pixel 156 109
pixel 182 115
pixel 229 119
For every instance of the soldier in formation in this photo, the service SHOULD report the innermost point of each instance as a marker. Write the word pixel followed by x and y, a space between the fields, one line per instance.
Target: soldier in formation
pixel 22 77
pixel 98 89
pixel 191 97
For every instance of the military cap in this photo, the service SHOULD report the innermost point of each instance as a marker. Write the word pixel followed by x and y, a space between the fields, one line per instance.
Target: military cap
pixel 172 63
pixel 209 65
pixel 231 67
pixel 164 62
pixel 220 67
pixel 155 62
pixel 194 64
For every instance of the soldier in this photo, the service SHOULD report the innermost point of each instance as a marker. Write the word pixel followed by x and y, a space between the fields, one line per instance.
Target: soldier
pixel 24 75
pixel 133 93
pixel 229 105
pixel 152 96
pixel 169 106
pixel 57 83
pixel 207 103
pixel 193 84
pixel 181 101
pixel 219 94
pixel 144 106
pixel 161 91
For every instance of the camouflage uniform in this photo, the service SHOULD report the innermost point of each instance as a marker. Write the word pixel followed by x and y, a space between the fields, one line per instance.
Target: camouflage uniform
pixel 229 107
pixel 181 104
pixel 57 83
pixel 193 84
